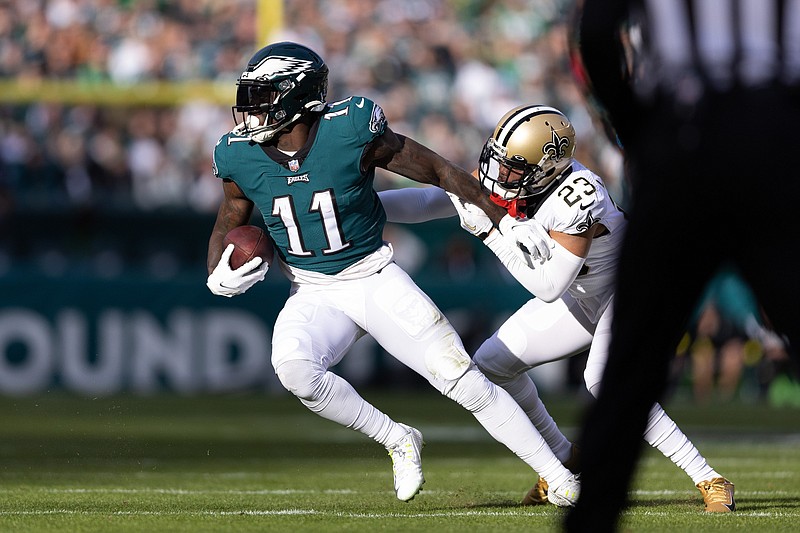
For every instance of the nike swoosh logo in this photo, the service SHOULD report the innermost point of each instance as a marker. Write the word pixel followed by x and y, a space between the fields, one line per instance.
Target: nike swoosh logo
pixel 360 104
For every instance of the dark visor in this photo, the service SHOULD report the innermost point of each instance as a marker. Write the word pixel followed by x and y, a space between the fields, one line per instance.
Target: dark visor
pixel 252 97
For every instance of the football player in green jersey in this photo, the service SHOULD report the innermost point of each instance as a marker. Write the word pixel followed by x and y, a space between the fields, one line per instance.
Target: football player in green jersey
pixel 308 166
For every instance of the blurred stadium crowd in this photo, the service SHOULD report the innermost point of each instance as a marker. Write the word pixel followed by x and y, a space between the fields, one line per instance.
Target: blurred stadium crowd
pixel 57 156
pixel 444 71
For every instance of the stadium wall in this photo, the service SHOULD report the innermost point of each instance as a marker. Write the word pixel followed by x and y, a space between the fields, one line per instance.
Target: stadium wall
pixel 151 328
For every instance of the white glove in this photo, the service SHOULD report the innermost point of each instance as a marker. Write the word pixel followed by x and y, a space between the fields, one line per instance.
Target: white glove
pixel 529 236
pixel 226 282
pixel 472 217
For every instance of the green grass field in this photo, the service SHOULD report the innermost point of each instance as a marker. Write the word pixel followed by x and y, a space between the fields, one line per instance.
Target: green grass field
pixel 263 463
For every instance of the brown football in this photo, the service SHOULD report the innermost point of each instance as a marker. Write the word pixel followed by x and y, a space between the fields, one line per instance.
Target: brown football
pixel 248 242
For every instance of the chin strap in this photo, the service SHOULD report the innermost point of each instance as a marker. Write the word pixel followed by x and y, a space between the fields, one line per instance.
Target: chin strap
pixel 516 207
pixel 260 136
pixel 245 127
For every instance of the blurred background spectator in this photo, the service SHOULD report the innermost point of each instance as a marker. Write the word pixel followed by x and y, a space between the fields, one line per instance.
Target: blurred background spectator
pixel 730 351
pixel 444 71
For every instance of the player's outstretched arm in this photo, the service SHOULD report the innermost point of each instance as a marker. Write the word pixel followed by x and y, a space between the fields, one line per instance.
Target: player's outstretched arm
pixel 548 279
pixel 403 155
pixel 408 158
pixel 412 205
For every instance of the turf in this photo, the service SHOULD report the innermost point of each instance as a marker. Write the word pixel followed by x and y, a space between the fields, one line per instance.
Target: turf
pixel 263 463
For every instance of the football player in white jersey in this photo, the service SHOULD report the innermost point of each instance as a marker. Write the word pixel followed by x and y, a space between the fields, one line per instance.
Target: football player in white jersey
pixel 527 166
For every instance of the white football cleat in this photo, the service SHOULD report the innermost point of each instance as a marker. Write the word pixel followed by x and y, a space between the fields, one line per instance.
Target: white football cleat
pixel 566 494
pixel 406 457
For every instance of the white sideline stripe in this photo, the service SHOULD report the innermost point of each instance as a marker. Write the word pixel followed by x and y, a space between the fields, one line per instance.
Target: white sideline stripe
pixel 306 512
pixel 254 492
pixel 723 516
pixel 287 492
pixel 739 493
pixel 159 513
pixel 185 491
pixel 263 513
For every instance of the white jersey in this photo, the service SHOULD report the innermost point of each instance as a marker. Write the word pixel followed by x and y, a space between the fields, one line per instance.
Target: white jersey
pixel 577 203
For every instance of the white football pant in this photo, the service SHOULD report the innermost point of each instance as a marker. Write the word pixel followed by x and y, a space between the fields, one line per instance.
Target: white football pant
pixel 319 323
pixel 541 332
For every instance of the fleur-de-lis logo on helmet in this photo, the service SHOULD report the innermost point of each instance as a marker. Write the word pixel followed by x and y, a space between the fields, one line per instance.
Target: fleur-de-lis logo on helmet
pixel 557 147
pixel 531 146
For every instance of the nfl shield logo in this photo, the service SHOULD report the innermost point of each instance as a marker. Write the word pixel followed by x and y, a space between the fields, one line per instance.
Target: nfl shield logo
pixel 294 165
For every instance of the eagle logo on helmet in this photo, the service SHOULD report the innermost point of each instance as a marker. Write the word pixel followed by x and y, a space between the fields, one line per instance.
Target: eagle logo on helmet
pixel 557 147
pixel 272 67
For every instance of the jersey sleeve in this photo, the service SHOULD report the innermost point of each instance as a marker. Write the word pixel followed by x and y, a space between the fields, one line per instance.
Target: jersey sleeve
pixel 368 119
pixel 577 204
pixel 219 163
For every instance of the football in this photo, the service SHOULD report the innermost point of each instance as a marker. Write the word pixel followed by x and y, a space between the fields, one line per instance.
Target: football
pixel 248 242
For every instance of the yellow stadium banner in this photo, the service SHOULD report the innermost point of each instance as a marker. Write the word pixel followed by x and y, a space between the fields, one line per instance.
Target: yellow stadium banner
pixel 269 20
pixel 109 94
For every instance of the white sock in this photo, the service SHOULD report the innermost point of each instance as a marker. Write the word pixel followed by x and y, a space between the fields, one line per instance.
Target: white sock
pixel 523 389
pixel 662 433
pixel 333 398
pixel 503 418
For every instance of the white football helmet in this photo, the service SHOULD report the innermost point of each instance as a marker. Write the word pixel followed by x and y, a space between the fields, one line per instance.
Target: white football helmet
pixel 531 146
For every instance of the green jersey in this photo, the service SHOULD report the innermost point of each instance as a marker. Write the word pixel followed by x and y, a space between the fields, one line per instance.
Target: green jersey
pixel 318 206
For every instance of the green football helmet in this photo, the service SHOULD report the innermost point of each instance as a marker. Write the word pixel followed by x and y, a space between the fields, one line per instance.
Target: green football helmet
pixel 282 82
